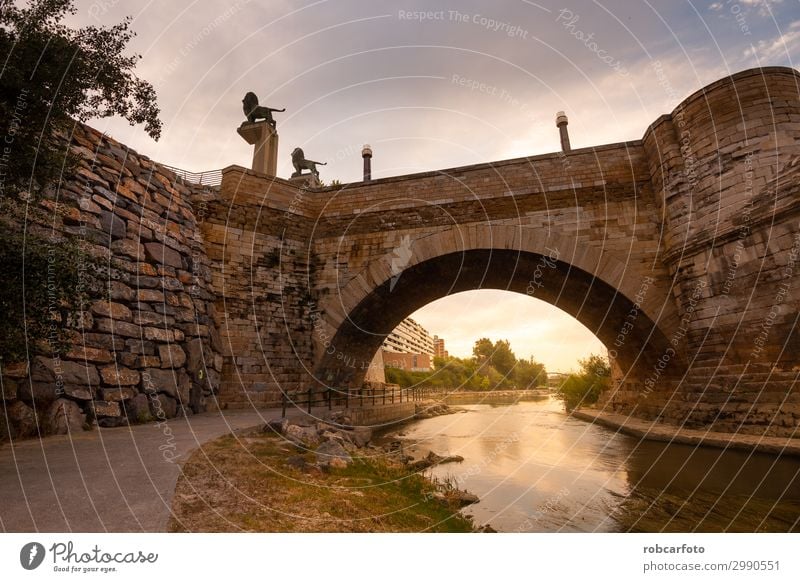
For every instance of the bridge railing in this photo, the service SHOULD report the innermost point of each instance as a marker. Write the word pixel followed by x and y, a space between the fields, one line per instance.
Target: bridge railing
pixel 209 178
pixel 360 397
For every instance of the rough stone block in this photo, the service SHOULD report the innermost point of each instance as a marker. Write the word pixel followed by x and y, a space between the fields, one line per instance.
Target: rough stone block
pixel 110 309
pixel 103 408
pixel 171 355
pixel 64 417
pixel 119 376
pixel 161 253
pixel 158 334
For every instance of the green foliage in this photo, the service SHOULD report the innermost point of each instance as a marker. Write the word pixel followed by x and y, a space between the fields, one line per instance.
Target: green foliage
pixel 494 367
pixel 52 75
pixel 585 388
pixel 530 374
pixel 47 282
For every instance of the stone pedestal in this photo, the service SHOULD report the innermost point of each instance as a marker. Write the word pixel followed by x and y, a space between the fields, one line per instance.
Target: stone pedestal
pixel 264 138
pixel 305 180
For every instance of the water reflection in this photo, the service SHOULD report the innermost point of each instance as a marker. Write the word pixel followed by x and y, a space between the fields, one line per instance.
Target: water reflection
pixel 537 469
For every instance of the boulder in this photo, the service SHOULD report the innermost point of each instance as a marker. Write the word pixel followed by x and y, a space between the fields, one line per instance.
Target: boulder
pixel 163 406
pixel 119 376
pixel 21 420
pixel 175 383
pixel 194 356
pixel 79 392
pixel 360 436
pixel 172 356
pixel 119 394
pixel 332 454
pixel 102 408
pixel 137 409
pixel 302 435
pixel 64 417
pixel 49 370
pixel 276 426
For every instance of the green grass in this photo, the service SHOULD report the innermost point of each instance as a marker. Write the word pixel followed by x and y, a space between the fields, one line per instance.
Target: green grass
pixel 245 484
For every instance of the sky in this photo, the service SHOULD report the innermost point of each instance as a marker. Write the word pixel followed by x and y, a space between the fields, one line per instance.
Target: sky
pixel 436 84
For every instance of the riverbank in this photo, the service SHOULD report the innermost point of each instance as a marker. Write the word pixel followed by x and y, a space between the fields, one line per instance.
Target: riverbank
pixel 667 433
pixel 495 396
pixel 314 478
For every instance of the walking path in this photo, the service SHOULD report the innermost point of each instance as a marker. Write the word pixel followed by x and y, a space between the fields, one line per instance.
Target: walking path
pixel 669 433
pixel 115 480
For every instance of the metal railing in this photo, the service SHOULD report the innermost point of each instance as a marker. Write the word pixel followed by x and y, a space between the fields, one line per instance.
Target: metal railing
pixel 348 398
pixel 209 178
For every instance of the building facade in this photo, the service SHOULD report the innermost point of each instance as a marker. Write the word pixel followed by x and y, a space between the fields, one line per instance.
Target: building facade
pixel 439 350
pixel 407 361
pixel 409 338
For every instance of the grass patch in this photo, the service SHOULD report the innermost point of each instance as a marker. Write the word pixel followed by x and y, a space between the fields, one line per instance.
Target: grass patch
pixel 257 483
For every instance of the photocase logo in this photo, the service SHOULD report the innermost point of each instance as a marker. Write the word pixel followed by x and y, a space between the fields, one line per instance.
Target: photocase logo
pixel 401 258
pixel 31 555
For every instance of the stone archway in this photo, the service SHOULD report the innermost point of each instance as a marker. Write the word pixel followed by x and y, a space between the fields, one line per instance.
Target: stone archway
pixel 627 308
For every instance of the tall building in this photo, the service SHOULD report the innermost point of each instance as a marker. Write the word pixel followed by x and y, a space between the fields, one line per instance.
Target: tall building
pixel 438 347
pixel 409 338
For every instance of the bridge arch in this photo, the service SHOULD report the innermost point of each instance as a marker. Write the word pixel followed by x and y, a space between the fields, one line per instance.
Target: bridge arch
pixel 626 305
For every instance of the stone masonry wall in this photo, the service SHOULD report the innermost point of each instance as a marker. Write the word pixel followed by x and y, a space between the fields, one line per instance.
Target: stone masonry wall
pixel 726 168
pixel 146 347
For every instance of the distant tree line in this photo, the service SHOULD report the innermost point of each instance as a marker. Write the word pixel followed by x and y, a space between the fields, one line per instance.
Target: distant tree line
pixel 493 366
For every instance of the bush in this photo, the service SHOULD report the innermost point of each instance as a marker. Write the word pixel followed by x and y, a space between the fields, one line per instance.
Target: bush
pixel 585 388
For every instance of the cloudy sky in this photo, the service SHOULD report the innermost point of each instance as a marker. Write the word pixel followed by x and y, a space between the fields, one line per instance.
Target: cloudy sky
pixel 432 85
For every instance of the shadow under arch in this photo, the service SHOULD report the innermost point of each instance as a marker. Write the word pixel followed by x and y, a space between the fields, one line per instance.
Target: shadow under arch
pixel 599 306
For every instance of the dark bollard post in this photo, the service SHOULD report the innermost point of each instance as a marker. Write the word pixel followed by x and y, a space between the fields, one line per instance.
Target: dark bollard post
pixel 372 390
pixel 309 400
pixel 283 405
pixel 347 398
pixel 330 398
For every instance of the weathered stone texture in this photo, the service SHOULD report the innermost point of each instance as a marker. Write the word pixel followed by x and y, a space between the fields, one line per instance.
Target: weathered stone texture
pixel 140 216
pixel 680 251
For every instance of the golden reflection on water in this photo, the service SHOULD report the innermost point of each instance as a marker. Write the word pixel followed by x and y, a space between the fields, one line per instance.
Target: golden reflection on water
pixel 537 469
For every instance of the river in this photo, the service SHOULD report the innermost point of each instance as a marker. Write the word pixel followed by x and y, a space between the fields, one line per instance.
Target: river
pixel 536 469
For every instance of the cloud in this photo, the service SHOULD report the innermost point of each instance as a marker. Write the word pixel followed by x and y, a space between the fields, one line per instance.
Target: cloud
pixel 778 49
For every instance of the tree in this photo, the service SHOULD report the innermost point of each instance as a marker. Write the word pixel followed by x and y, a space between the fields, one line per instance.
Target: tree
pixel 530 374
pixel 483 349
pixel 585 388
pixel 503 359
pixel 498 355
pixel 51 76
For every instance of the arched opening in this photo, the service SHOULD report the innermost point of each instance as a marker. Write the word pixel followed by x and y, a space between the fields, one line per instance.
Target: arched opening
pixel 617 320
pixel 534 328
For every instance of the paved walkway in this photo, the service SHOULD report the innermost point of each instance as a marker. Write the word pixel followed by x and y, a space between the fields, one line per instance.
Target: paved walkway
pixel 116 480
pixel 658 431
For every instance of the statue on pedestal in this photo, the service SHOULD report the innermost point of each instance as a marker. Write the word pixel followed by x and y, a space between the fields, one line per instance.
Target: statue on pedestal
pixel 254 111
pixel 300 163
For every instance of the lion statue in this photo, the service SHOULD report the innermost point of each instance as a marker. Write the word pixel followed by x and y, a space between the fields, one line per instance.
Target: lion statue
pixel 300 163
pixel 253 110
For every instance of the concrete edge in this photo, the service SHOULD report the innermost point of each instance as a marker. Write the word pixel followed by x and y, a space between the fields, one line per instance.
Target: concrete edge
pixel 657 431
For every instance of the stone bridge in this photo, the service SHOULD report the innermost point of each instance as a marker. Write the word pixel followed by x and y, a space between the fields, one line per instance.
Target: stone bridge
pixel 679 251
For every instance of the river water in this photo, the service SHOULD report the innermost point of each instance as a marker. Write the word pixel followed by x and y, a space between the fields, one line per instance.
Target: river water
pixel 537 469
